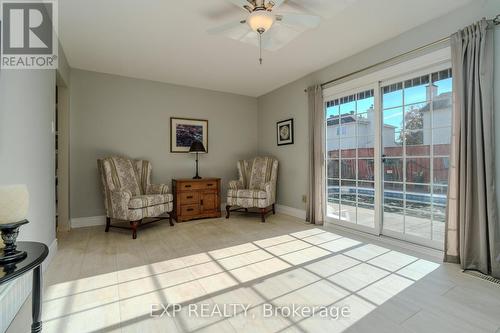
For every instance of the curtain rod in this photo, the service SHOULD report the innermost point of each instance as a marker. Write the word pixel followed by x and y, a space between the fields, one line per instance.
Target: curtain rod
pixel 495 20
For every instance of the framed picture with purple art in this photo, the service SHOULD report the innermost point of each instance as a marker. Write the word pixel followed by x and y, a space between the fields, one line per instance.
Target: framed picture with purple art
pixel 184 131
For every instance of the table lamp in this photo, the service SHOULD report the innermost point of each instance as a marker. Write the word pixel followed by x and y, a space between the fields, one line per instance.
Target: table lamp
pixel 14 202
pixel 197 147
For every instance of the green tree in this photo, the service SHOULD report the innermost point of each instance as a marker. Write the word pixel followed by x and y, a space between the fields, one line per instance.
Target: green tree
pixel 414 120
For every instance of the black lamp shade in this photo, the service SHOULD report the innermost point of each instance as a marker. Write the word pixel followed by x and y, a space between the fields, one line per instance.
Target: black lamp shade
pixel 197 147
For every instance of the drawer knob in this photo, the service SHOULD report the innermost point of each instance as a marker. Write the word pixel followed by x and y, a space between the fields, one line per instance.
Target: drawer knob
pixel 189 197
pixel 190 209
pixel 210 184
pixel 187 185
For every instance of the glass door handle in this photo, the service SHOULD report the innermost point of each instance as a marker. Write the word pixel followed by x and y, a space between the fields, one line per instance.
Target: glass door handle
pixel 383 158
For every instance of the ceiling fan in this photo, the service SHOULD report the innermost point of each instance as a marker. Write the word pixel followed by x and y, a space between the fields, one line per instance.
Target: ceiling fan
pixel 273 29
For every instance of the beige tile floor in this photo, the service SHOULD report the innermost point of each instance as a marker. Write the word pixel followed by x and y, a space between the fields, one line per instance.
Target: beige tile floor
pixel 106 282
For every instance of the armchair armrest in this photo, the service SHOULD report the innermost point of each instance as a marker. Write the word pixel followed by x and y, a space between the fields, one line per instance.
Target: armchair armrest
pixel 266 186
pixel 119 203
pixel 270 188
pixel 235 185
pixel 157 189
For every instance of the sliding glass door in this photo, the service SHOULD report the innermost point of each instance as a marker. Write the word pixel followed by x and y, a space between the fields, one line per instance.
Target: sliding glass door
pixel 350 159
pixel 387 156
pixel 416 114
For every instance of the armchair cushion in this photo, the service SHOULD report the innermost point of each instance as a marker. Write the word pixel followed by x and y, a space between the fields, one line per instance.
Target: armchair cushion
pixel 151 211
pixel 248 202
pixel 142 201
pixel 242 193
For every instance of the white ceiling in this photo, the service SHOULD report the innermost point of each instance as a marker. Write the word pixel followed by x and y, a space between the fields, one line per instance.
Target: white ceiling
pixel 166 40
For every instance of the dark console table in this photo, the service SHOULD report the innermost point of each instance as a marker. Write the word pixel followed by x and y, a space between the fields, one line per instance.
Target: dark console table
pixel 37 252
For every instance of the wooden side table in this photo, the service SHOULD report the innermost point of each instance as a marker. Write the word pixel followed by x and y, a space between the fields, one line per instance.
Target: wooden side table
pixel 196 198
pixel 37 252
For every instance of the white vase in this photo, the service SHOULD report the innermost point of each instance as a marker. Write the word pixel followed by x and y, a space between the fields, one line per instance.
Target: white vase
pixel 14 203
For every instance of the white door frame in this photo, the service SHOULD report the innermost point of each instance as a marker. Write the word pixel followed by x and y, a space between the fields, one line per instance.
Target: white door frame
pixel 376 229
pixel 63 205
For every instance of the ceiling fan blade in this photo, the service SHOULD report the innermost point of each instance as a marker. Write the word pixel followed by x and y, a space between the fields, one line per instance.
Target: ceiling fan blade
pixel 227 27
pixel 241 3
pixel 272 42
pixel 301 20
pixel 276 3
pixel 278 36
pixel 239 31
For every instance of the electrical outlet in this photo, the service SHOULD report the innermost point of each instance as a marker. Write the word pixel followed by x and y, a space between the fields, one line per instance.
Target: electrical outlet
pixel 304 198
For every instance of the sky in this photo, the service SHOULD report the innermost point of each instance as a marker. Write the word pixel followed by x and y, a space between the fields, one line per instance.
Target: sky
pixel 392 103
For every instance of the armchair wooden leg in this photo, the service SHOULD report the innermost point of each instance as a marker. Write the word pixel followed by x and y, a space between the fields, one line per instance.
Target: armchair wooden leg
pixel 263 215
pixel 108 223
pixel 227 211
pixel 170 220
pixel 134 225
pixel 274 210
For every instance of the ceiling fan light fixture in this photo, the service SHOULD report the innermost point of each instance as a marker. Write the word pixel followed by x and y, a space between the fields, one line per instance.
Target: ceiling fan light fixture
pixel 260 21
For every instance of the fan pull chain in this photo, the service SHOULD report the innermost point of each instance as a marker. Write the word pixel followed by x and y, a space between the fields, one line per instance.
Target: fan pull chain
pixel 260 48
pixel 260 31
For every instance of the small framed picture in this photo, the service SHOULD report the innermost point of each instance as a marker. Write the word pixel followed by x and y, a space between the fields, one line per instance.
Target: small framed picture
pixel 184 131
pixel 284 131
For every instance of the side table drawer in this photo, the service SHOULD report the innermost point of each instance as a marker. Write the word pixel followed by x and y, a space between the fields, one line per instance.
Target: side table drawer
pixel 209 185
pixel 190 186
pixel 187 186
pixel 189 197
pixel 189 210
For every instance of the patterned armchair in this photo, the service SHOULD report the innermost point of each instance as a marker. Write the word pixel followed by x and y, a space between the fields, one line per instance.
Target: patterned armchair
pixel 256 187
pixel 129 194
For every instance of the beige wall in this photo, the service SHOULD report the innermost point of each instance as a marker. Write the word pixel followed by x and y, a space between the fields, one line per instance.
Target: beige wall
pixel 290 101
pixel 27 148
pixel 117 115
pixel 27 153
pixel 284 103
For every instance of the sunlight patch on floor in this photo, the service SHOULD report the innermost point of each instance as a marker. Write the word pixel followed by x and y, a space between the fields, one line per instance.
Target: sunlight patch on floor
pixel 308 268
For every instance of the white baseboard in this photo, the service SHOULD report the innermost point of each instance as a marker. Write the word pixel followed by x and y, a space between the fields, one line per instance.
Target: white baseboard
pixel 90 221
pixel 15 293
pixel 299 213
